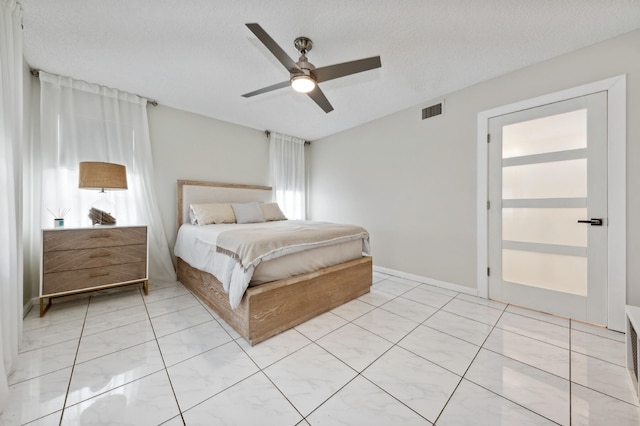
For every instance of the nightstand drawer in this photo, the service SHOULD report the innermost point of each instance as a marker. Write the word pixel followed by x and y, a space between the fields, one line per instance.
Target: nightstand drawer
pixel 59 282
pixel 73 239
pixel 71 260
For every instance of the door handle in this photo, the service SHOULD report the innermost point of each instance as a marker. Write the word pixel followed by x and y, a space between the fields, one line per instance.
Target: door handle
pixel 592 221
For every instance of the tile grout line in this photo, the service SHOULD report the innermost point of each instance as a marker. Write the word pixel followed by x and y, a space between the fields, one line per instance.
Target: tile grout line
pixel 598 335
pixel 570 378
pixel 483 387
pixel 467 369
pixel 607 395
pixel 435 421
pixel 359 373
pixel 166 369
pixel 74 363
pixel 260 370
pixel 441 308
pixel 396 344
pixel 106 355
pixel 590 333
pixel 511 401
pixel 73 367
pixel 526 363
pixel 537 368
pixel 532 338
pixel 282 393
pixel 334 393
pixel 507 331
pixel 571 382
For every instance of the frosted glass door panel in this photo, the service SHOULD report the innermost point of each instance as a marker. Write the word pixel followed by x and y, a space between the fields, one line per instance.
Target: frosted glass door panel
pixel 557 272
pixel 558 179
pixel 545 225
pixel 560 132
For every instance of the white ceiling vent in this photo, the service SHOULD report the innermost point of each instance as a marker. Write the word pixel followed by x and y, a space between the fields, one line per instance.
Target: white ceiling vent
pixel 432 111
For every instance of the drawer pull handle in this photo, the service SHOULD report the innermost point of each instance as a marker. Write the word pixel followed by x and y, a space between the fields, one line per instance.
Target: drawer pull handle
pixel 98 275
pixel 100 236
pixel 93 256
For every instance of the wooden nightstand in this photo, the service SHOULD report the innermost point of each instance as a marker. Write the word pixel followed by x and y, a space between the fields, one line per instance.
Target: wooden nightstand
pixel 86 259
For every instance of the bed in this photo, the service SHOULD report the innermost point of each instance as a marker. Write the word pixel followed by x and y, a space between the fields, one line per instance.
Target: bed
pixel 269 308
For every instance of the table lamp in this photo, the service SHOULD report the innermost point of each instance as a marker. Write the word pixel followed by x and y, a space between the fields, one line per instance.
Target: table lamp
pixel 102 176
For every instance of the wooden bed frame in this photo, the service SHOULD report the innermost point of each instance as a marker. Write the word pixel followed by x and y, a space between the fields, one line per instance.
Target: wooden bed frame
pixel 274 307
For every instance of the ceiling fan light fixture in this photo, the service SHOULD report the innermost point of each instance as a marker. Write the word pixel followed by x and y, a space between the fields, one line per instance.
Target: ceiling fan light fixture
pixel 303 83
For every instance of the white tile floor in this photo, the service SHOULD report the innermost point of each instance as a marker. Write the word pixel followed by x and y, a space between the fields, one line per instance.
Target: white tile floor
pixel 405 354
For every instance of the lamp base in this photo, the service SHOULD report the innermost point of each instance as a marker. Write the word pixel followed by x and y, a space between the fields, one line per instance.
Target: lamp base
pixel 99 217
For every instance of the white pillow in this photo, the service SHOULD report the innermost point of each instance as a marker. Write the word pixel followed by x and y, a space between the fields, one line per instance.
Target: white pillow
pixel 206 214
pixel 271 211
pixel 247 212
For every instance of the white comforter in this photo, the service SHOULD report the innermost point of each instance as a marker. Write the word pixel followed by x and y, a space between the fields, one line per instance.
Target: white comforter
pixel 233 275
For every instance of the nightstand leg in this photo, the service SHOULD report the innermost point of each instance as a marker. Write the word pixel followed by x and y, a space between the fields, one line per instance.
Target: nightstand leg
pixel 44 309
pixel 146 287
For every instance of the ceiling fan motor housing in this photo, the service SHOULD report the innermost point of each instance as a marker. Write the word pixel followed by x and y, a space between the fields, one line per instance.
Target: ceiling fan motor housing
pixel 303 45
pixel 305 67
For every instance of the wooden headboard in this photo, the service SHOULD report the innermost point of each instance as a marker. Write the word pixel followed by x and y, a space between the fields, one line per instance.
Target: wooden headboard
pixel 194 191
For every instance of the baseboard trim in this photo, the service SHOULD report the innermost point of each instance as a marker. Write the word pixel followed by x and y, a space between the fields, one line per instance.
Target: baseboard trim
pixel 30 304
pixel 442 284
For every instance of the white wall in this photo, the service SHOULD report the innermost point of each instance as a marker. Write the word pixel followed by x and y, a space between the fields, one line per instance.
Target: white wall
pixel 190 146
pixel 412 183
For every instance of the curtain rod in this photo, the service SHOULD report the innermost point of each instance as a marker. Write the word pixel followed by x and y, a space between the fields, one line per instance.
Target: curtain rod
pixel 36 73
pixel 268 133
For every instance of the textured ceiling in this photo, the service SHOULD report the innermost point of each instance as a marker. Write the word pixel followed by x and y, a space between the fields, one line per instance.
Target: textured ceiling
pixel 198 55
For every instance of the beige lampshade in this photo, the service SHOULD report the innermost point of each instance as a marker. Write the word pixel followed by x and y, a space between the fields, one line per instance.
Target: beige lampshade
pixel 96 175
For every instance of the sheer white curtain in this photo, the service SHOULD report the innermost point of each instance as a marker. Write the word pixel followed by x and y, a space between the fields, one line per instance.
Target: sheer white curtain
pixel 286 159
pixel 11 135
pixel 87 122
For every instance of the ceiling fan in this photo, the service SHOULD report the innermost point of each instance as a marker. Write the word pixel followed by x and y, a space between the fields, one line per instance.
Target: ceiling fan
pixel 303 76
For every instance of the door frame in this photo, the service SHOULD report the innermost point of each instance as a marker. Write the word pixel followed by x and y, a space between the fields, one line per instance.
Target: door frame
pixel 616 183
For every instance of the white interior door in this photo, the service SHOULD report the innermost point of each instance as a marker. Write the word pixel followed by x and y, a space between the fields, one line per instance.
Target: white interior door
pixel 548 208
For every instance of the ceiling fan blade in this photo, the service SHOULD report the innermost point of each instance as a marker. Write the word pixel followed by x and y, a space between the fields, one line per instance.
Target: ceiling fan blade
pixel 273 47
pixel 267 89
pixel 346 68
pixel 319 98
